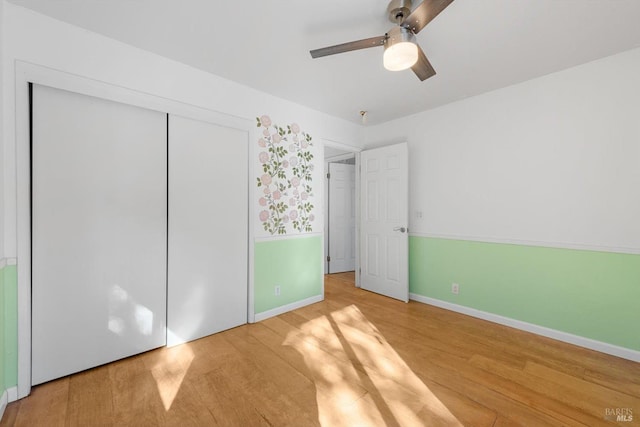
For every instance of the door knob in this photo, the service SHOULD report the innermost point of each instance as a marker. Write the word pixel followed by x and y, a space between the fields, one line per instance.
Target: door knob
pixel 400 229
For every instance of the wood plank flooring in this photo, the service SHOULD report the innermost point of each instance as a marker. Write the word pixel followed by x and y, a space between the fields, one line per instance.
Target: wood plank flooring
pixel 356 359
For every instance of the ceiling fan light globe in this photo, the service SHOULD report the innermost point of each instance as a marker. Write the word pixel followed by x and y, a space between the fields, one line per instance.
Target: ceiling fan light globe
pixel 400 56
pixel 400 49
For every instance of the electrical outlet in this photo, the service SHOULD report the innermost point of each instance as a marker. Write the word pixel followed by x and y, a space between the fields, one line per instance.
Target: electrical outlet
pixel 455 288
pixel 276 290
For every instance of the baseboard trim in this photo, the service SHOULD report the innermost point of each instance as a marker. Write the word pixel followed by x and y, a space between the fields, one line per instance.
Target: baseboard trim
pixel 589 343
pixel 288 307
pixel 12 394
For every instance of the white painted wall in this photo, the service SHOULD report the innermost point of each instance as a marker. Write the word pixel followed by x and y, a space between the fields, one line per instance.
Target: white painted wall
pixel 553 161
pixel 61 51
pixel 38 39
pixel 3 159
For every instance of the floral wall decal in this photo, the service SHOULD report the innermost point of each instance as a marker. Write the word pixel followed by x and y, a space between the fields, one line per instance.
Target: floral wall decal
pixel 286 180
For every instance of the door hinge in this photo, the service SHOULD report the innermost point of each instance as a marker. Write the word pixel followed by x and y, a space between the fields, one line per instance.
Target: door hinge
pixel 328 176
pixel 328 258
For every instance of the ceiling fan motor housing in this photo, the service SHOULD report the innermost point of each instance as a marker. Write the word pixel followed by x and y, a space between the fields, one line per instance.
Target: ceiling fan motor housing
pixel 398 10
pixel 399 35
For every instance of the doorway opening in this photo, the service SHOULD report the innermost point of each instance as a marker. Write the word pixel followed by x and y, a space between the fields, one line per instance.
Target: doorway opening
pixel 341 216
pixel 341 209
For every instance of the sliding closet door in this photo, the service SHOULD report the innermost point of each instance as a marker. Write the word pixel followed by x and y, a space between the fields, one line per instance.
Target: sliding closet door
pixel 208 184
pixel 99 209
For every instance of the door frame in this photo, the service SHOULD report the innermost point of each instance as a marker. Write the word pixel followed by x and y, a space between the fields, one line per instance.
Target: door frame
pixel 351 152
pixel 31 73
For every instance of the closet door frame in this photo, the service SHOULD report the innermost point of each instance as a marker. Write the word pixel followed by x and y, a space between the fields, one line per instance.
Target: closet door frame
pixel 27 73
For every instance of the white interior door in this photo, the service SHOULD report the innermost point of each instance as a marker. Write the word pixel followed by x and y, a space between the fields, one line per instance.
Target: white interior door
pixel 342 217
pixel 99 232
pixel 208 229
pixel 384 223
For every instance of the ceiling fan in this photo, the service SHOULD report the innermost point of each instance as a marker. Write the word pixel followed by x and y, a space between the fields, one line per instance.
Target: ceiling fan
pixel 400 48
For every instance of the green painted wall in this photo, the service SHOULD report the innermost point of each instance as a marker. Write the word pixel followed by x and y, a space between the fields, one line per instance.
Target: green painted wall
pixel 10 325
pixel 294 264
pixel 587 293
pixel 3 386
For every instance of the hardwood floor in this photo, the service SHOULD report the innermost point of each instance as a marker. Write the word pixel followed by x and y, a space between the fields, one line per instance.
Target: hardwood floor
pixel 355 359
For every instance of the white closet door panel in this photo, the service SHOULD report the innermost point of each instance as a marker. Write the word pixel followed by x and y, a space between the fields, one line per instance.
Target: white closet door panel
pixel 99 232
pixel 208 226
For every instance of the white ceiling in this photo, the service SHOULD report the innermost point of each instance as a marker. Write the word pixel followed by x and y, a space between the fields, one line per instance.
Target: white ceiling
pixel 474 45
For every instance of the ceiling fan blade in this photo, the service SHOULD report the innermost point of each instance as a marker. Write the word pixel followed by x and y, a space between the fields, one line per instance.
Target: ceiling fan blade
pixel 422 67
pixel 424 14
pixel 347 47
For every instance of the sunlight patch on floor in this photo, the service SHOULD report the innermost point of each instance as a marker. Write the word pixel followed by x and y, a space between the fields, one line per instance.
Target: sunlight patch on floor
pixel 359 377
pixel 170 371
